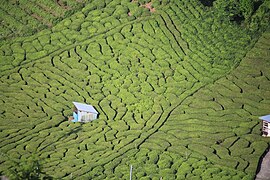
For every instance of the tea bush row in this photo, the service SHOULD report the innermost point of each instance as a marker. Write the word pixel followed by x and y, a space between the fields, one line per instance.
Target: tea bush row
pixel 134 132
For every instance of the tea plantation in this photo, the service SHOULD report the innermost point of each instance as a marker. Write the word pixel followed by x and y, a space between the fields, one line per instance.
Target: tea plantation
pixel 178 90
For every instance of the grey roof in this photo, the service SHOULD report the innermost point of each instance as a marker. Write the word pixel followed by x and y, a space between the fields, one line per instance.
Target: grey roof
pixel 85 107
pixel 265 118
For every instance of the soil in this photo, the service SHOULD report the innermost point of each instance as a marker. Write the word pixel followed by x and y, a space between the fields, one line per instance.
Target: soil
pixel 48 9
pixel 264 168
pixel 149 6
pixel 39 18
pixel 62 5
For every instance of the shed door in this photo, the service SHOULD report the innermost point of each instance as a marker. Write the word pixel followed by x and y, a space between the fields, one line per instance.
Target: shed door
pixel 87 117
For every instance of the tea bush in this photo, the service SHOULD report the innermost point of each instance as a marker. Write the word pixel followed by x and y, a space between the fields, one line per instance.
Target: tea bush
pixel 177 98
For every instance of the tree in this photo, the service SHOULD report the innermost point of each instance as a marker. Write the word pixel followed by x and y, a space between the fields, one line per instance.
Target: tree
pixel 247 8
pixel 261 18
pixel 235 10
pixel 26 169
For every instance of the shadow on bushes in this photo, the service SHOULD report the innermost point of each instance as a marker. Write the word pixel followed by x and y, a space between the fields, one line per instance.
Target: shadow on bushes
pixel 25 169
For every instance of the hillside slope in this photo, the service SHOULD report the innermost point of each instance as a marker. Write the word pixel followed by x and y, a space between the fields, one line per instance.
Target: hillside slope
pixel 179 94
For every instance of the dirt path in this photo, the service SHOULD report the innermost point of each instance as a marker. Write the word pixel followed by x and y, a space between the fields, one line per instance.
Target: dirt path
pixel 264 173
pixel 42 20
pixel 62 5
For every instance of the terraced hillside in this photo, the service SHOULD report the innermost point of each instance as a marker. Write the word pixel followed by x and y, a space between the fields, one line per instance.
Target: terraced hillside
pixel 179 94
pixel 25 17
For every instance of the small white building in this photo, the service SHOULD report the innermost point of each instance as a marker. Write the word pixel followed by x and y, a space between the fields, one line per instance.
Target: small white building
pixel 265 125
pixel 84 112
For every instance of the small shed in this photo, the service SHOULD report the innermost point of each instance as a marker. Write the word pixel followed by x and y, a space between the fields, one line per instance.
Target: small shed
pixel 84 112
pixel 265 125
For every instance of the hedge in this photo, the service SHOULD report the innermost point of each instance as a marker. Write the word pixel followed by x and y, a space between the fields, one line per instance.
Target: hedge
pixel 184 170
pixel 150 169
pixel 152 146
pixel 165 161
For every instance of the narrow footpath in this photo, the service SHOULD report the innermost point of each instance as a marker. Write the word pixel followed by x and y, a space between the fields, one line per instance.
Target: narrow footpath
pixel 264 173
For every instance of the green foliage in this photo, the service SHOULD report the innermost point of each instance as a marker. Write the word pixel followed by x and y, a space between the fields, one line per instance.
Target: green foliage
pixel 29 168
pixel 260 19
pixel 247 8
pixel 254 19
pixel 169 100
pixel 184 169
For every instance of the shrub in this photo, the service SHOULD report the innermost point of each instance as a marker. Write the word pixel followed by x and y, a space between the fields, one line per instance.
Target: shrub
pixel 260 18
pixel 120 11
pixel 211 171
pixel 26 169
pixel 94 78
pixel 167 173
pixel 120 170
pixel 17 48
pixel 152 146
pixel 165 161
pixel 259 146
pixel 50 48
pixel 148 28
pixel 105 104
pixel 146 88
pixel 153 156
pixel 150 169
pixel 28 47
pixel 193 177
pixel 114 91
pixel 136 11
pixel 36 55
pixel 34 144
pixel 204 150
pixel 229 141
pixel 184 169
pixel 16 76
pixel 121 111
pixel 127 97
pixel 147 114
pixel 110 135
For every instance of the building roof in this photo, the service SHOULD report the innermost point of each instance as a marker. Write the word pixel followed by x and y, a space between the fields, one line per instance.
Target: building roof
pixel 85 107
pixel 265 118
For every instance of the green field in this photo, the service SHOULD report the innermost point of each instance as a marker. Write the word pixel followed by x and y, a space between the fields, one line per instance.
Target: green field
pixel 179 92
pixel 26 17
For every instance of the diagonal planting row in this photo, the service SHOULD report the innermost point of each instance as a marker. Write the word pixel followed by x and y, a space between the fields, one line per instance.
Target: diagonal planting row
pixel 95 18
pixel 20 17
pixel 219 124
